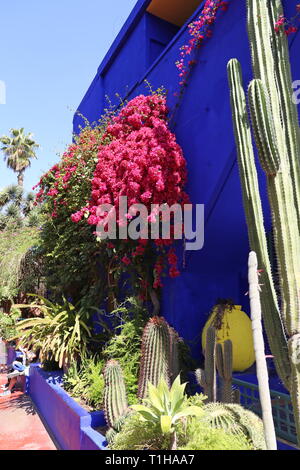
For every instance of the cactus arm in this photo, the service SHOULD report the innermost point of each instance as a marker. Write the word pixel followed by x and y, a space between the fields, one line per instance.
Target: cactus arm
pixel 281 196
pixel 261 364
pixel 224 367
pixel 255 223
pixel 270 59
pixel 210 363
pixel 207 377
pixel 288 107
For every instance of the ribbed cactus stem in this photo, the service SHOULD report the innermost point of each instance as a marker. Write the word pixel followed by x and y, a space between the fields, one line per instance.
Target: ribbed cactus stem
pixel 224 361
pixel 207 377
pixel 175 367
pixel 277 136
pixel 261 364
pixel 255 222
pixel 115 401
pixel 155 355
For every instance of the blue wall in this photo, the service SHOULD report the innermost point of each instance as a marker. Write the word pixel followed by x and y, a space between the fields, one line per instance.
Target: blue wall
pixel 70 425
pixel 203 128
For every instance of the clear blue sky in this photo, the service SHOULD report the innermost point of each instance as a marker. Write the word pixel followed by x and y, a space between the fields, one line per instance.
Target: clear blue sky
pixel 50 52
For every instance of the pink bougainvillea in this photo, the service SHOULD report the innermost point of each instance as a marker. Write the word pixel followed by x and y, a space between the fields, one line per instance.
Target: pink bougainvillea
pixel 142 162
pixel 287 26
pixel 134 155
pixel 199 30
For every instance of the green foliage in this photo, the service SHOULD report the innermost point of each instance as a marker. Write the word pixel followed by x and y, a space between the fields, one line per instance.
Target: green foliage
pixel 200 437
pixel 8 323
pixel 136 434
pixel 125 345
pixel 165 406
pixel 14 244
pixel 192 434
pixel 85 382
pixel 74 262
pixel 61 334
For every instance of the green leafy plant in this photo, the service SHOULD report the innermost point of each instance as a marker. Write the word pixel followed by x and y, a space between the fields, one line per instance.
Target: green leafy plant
pixel 14 244
pixel 138 434
pixel 200 437
pixel 85 381
pixel 8 323
pixel 165 407
pixel 192 434
pixel 61 334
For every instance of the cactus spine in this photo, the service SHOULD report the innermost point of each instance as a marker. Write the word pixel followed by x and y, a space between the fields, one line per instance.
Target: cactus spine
pixel 207 377
pixel 224 366
pixel 115 401
pixel 261 364
pixel 277 136
pixel 155 355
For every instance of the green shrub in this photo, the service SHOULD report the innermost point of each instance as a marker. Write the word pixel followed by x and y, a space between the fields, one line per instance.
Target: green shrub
pixel 8 323
pixel 137 434
pixel 200 437
pixel 85 382
pixel 235 419
pixel 125 345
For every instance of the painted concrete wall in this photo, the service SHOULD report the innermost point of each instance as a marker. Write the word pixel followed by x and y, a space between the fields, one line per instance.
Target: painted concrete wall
pixel 203 127
pixel 70 425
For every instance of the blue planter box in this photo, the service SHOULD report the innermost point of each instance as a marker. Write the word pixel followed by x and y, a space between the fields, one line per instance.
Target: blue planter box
pixel 69 423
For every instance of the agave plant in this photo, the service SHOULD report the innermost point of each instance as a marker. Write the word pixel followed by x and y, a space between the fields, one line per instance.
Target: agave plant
pixel 164 407
pixel 61 334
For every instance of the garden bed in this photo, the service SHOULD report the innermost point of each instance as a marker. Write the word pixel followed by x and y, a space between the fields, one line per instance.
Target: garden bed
pixel 72 427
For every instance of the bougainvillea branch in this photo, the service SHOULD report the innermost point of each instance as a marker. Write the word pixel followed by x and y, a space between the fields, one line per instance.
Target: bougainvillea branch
pixel 199 31
pixel 134 155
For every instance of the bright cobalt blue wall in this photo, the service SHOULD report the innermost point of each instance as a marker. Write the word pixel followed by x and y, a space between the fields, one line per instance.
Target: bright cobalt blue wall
pixel 147 48
pixel 70 425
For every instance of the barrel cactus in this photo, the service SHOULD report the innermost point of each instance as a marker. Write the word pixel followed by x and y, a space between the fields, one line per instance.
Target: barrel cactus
pixel 235 419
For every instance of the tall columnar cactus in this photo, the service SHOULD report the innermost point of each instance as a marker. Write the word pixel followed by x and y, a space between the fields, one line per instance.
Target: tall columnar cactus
pixel 277 136
pixel 115 401
pixel 175 368
pixel 259 347
pixel 224 367
pixel 207 377
pixel 155 355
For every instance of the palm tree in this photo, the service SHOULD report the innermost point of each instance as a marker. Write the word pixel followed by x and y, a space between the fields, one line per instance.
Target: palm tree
pixel 18 149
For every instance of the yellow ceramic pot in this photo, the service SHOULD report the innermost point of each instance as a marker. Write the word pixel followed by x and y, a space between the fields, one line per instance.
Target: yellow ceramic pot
pixel 236 326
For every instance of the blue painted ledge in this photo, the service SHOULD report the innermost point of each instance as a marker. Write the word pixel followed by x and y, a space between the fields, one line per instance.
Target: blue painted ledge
pixel 69 423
